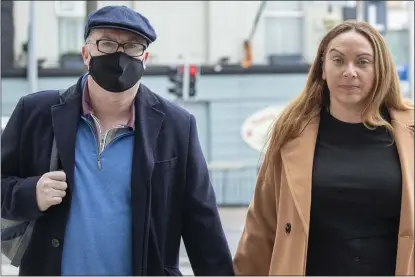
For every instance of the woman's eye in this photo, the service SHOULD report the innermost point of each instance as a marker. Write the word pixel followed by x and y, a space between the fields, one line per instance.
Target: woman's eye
pixel 363 61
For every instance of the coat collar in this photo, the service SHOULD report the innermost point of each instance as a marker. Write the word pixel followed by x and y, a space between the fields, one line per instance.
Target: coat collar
pixel 298 155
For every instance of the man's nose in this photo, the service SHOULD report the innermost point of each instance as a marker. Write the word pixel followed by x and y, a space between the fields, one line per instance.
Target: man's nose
pixel 120 48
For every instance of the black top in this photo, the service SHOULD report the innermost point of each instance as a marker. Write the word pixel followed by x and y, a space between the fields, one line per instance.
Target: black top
pixel 356 200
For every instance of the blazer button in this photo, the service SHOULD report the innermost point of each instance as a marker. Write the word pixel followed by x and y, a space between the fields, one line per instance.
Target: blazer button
pixel 288 228
pixel 55 243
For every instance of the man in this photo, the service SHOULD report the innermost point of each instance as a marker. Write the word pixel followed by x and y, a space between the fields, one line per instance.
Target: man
pixel 133 180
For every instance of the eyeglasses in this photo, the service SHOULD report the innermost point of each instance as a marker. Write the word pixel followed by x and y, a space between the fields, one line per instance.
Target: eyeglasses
pixel 133 49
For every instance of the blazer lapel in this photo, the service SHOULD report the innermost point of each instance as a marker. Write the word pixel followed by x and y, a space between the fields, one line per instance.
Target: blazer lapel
pixel 297 157
pixel 148 125
pixel 65 118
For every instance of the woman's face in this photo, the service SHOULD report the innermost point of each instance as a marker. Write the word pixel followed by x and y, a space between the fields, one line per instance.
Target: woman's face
pixel 348 69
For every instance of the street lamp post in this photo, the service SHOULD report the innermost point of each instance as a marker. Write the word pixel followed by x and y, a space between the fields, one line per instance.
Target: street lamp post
pixel 90 6
pixel 360 15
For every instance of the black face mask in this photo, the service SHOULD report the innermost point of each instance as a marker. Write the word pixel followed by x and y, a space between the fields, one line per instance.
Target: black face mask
pixel 116 72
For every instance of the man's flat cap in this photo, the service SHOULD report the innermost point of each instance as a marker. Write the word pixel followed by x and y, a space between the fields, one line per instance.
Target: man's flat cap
pixel 121 18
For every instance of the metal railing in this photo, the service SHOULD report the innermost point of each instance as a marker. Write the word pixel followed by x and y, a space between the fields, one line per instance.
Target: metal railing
pixel 234 183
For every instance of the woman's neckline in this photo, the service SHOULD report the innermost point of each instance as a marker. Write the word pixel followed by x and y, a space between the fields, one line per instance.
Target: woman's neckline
pixel 339 121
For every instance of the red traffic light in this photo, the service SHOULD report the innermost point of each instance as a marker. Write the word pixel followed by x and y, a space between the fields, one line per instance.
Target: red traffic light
pixel 193 70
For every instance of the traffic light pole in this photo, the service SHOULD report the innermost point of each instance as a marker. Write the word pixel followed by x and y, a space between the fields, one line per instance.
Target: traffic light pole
pixel 186 80
pixel 32 71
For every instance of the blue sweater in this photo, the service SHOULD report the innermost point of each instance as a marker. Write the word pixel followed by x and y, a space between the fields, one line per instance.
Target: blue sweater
pixel 98 237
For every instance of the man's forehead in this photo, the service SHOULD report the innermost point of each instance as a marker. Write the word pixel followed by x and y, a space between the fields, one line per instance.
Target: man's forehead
pixel 116 34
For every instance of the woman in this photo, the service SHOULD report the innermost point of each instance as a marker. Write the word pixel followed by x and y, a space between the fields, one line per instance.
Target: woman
pixel 335 193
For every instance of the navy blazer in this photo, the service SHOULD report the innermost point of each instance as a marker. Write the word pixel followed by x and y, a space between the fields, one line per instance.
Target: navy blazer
pixel 171 194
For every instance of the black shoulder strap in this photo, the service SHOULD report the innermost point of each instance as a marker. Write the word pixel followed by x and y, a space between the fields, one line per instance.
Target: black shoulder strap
pixel 54 159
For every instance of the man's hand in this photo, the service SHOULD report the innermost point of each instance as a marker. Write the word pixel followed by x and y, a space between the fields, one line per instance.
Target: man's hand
pixel 50 189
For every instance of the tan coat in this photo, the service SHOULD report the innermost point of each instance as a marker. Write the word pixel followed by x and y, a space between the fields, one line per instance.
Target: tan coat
pixel 275 238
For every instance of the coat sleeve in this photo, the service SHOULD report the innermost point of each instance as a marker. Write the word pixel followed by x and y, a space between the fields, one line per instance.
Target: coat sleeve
pixel 18 195
pixel 254 252
pixel 203 235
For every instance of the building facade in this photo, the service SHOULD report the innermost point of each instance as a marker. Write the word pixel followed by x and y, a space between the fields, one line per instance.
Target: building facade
pixel 200 31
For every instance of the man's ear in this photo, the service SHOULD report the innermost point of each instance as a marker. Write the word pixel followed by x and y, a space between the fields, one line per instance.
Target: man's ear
pixel 146 55
pixel 86 56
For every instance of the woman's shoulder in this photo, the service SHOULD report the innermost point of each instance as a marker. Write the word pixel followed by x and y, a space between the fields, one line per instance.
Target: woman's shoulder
pixel 403 116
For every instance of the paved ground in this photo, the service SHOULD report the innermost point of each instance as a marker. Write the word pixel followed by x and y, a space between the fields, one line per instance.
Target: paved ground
pixel 232 221
pixel 6 268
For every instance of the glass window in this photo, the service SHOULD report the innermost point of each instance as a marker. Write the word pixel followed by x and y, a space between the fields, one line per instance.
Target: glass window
pixel 398 42
pixel 71 34
pixel 284 31
pixel 283 35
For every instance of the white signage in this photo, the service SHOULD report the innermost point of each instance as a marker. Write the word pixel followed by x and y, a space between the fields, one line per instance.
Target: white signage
pixel 256 128
pixel 74 9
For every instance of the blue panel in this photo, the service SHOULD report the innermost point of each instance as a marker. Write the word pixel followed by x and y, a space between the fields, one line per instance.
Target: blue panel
pixel 201 112
pixel 402 72
pixel 227 119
